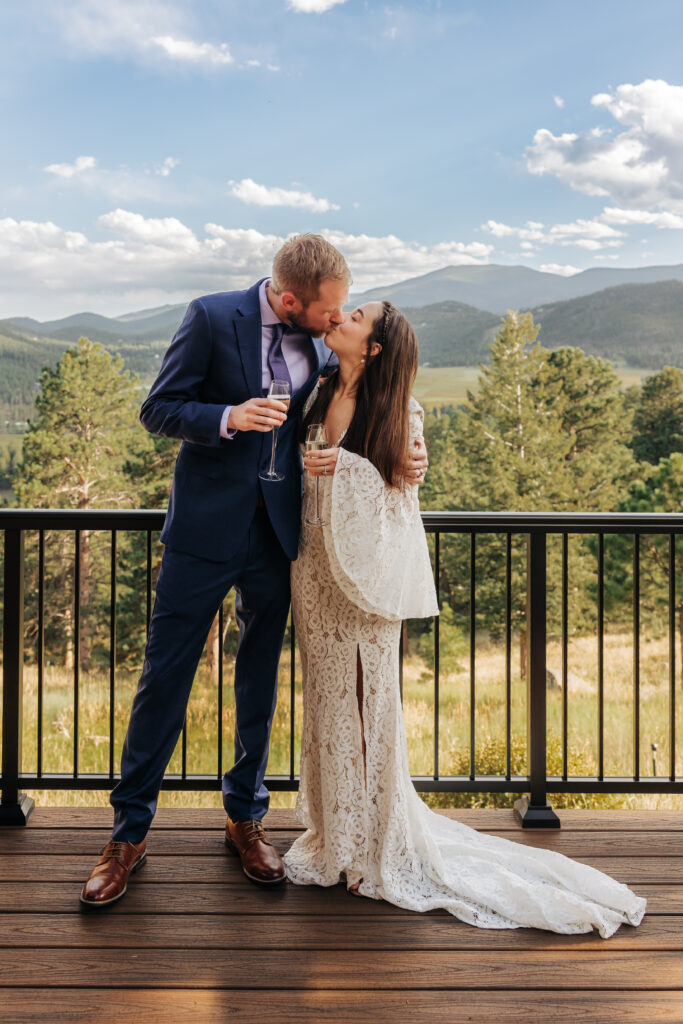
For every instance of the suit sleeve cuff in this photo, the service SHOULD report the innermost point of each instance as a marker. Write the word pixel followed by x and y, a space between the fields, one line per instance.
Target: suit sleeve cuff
pixel 225 430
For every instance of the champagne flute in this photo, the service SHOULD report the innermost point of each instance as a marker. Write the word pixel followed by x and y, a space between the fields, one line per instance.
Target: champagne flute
pixel 316 441
pixel 279 389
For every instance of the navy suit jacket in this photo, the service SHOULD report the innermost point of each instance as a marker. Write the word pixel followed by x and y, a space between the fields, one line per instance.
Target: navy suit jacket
pixel 214 360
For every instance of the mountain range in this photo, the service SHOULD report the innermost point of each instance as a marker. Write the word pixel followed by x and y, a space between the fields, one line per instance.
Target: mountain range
pixel 631 317
pixel 498 288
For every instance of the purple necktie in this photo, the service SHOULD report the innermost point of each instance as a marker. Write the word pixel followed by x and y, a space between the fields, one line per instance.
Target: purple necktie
pixel 276 360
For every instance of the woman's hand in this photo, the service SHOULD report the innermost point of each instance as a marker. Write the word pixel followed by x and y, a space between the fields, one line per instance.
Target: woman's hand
pixel 321 463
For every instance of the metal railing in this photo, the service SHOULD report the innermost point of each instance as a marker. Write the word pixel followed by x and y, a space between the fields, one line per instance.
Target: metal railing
pixel 534 530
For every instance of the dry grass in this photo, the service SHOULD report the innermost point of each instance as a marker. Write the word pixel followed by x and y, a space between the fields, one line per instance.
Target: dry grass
pixel 454 719
pixel 448 385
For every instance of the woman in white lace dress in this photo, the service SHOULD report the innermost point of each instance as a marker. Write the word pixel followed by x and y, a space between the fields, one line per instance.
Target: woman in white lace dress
pixel 356 578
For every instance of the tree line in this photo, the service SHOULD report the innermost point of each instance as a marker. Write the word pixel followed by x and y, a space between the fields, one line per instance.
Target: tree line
pixel 553 430
pixel 545 431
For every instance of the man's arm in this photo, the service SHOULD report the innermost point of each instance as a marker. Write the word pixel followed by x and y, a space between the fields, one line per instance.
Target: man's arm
pixel 417 462
pixel 174 407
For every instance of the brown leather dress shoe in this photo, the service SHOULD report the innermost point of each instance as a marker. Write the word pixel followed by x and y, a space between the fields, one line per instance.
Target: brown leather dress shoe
pixel 260 860
pixel 108 880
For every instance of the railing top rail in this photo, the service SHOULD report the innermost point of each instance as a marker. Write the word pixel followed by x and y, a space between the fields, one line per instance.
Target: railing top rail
pixel 453 522
pixel 81 519
pixel 554 522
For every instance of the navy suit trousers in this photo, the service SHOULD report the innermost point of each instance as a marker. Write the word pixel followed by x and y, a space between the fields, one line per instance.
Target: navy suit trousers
pixel 188 595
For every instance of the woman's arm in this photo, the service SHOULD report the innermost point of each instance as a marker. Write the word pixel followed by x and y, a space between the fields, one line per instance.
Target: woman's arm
pixel 323 463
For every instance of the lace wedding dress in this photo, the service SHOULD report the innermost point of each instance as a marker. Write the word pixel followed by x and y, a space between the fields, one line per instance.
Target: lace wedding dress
pixel 354 581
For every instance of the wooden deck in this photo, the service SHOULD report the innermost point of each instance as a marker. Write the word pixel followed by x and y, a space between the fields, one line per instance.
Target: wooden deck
pixel 193 940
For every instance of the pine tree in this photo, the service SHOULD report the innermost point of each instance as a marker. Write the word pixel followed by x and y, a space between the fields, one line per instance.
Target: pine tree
pixel 659 489
pixel 658 416
pixel 586 395
pixel 546 431
pixel 511 433
pixel 72 457
pixel 148 471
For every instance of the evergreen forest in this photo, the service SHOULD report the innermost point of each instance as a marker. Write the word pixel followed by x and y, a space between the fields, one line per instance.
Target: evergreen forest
pixel 545 430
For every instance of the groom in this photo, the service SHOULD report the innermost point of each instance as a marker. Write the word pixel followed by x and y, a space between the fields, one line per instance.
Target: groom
pixel 226 528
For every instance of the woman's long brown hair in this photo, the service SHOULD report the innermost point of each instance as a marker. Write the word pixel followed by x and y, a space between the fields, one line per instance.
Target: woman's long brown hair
pixel 379 426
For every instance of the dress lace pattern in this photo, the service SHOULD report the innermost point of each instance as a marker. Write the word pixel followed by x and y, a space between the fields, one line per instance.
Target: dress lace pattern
pixel 352 584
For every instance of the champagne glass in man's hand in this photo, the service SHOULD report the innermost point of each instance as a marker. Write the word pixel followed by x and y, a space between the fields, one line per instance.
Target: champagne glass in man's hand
pixel 316 441
pixel 279 389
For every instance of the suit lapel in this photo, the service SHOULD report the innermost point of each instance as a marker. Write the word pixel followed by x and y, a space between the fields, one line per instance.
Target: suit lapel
pixel 322 352
pixel 248 330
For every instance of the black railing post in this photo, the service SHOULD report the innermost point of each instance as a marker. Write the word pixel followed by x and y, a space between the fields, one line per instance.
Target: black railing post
pixel 534 811
pixel 15 807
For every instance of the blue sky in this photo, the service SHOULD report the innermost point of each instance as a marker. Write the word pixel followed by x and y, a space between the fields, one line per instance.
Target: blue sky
pixel 158 150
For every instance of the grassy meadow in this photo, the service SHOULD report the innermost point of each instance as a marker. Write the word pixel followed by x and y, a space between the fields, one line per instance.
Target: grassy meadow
pixel 434 387
pixel 448 385
pixel 454 751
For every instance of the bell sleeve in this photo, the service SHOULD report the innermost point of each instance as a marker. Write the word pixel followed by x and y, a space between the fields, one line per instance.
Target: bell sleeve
pixel 375 540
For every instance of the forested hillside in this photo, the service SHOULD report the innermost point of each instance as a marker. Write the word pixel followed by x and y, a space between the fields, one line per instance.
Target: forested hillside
pixel 638 325
pixel 631 325
pixel 22 358
pixel 452 333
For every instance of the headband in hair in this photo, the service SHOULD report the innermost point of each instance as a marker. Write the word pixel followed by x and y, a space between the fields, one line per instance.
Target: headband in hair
pixel 388 314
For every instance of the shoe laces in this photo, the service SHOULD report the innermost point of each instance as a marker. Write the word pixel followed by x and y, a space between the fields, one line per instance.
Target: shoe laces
pixel 254 832
pixel 114 850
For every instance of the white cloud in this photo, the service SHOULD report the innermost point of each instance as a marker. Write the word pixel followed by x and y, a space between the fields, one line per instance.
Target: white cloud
pixel 559 102
pixel 249 191
pixel 164 231
pixel 640 166
pixel 533 231
pixel 149 29
pixel 80 164
pixel 376 260
pixel 659 219
pixel 654 108
pixel 194 53
pixel 121 184
pixel 313 6
pixel 48 271
pixel 169 163
pixel 565 269
pixel 585 234
pixel 594 230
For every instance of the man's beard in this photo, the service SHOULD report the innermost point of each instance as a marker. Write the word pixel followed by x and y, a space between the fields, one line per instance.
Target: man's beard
pixel 299 320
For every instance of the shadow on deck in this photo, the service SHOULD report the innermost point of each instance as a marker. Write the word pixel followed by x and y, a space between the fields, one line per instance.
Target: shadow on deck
pixel 194 940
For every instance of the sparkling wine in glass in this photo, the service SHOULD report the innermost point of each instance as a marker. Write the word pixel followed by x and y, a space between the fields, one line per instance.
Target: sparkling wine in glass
pixel 279 389
pixel 316 441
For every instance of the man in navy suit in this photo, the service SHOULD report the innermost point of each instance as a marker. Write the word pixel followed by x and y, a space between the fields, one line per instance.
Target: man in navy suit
pixel 225 528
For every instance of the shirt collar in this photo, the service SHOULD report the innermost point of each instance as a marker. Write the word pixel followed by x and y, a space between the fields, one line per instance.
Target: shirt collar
pixel 268 314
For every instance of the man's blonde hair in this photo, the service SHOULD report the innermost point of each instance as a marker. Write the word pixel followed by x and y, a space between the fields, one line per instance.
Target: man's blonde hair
pixel 303 263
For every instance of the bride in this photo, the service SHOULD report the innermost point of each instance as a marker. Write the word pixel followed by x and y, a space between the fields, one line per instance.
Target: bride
pixel 356 578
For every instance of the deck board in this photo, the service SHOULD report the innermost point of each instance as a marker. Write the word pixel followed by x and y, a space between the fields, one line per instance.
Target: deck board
pixel 500 819
pixel 194 940
pixel 218 1006
pixel 199 844
pixel 231 931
